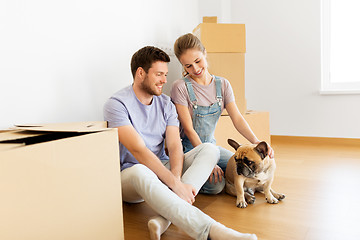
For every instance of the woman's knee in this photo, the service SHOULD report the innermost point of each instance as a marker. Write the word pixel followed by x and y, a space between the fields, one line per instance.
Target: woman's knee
pixel 213 188
pixel 225 156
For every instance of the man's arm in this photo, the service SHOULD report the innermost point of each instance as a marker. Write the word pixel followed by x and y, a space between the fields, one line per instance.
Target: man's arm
pixel 135 144
pixel 174 147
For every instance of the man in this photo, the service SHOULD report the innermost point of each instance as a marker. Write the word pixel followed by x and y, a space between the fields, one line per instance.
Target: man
pixel 146 119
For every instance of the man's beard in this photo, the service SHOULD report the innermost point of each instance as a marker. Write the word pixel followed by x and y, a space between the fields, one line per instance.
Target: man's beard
pixel 146 87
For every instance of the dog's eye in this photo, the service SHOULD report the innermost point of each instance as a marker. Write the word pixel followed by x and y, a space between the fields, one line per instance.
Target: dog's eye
pixel 247 162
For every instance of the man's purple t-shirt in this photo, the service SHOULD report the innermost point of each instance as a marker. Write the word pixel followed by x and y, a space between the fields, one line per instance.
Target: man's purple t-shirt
pixel 150 121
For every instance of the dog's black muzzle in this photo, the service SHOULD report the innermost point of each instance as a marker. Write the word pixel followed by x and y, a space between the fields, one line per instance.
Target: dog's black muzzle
pixel 243 169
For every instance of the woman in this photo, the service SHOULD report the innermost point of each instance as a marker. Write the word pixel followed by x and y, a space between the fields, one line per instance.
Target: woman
pixel 200 98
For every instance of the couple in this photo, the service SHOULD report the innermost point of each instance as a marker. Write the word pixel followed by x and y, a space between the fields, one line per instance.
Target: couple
pixel 146 119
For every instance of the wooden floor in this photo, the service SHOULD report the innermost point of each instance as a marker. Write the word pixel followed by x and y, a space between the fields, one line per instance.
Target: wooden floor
pixel 321 181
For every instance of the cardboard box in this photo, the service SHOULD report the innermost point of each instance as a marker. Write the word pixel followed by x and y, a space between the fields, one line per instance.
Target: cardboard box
pixel 60 181
pixel 210 20
pixel 222 37
pixel 258 121
pixel 232 67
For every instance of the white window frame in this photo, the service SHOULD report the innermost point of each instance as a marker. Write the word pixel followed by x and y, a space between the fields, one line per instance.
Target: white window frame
pixel 328 87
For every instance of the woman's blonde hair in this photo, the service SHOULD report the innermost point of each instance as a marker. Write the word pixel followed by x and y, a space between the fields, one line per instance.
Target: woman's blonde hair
pixel 185 42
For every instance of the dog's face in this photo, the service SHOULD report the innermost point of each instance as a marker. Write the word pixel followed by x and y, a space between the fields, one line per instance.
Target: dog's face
pixel 249 158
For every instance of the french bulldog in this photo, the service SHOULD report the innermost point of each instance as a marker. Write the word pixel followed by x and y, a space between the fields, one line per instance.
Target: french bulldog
pixel 248 171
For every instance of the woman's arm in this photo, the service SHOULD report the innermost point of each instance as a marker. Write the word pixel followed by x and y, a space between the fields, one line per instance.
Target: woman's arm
pixel 240 123
pixel 186 123
pixel 243 127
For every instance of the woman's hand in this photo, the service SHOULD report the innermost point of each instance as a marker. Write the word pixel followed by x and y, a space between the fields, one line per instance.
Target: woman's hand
pixel 216 175
pixel 270 151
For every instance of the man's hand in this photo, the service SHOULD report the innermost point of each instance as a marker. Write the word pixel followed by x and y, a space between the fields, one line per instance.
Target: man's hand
pixel 185 191
pixel 216 175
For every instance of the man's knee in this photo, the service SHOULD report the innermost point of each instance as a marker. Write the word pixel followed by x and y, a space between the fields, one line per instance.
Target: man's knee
pixel 211 149
pixel 139 173
pixel 137 169
pixel 136 180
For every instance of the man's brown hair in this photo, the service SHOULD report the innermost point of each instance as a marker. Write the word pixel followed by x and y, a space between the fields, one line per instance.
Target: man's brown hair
pixel 145 57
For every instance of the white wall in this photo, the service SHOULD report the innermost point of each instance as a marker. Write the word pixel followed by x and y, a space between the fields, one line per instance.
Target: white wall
pixel 221 9
pixel 61 60
pixel 283 70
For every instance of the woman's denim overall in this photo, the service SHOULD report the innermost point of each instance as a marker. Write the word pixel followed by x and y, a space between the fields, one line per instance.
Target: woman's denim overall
pixel 204 120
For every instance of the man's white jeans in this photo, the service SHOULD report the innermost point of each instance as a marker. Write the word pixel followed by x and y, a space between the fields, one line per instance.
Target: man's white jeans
pixel 140 183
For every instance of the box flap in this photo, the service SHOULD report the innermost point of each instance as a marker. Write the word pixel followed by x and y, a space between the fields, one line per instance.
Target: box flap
pixel 9 146
pixel 17 134
pixel 94 126
pixel 22 135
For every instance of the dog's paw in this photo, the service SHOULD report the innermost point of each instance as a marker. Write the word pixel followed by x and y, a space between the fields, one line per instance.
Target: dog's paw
pixel 272 200
pixel 279 196
pixel 241 204
pixel 250 199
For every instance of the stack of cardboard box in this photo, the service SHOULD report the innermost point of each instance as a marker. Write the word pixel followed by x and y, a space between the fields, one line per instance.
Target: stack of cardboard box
pixel 226 46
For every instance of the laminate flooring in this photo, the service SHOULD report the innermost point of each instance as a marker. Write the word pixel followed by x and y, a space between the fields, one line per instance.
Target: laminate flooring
pixel 321 180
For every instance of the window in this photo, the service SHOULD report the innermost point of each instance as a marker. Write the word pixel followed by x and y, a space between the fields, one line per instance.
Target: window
pixel 340 47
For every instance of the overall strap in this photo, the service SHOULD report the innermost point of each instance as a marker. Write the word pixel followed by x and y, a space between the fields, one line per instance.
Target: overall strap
pixel 218 89
pixel 191 92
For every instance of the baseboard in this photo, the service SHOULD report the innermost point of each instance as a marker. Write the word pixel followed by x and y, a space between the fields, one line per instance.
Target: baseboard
pixel 322 140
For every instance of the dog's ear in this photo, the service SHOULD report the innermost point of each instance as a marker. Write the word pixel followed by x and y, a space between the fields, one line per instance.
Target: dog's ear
pixel 233 143
pixel 262 149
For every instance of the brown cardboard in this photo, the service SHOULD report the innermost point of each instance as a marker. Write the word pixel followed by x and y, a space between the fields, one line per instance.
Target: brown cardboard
pixel 210 20
pixel 222 37
pixel 258 121
pixel 60 184
pixel 232 67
